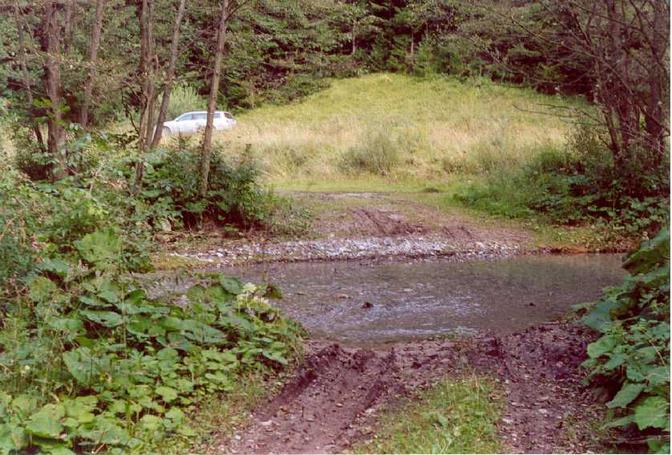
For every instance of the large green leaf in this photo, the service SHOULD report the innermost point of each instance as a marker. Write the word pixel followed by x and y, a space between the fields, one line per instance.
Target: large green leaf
pixel 12 438
pixel 653 412
pixel 167 394
pixel 46 423
pixel 102 248
pixel 651 254
pixel 41 289
pixel 230 284
pixel 602 346
pixel 658 375
pixel 106 431
pixel 80 364
pixel 104 318
pixel 202 333
pixel 81 408
pixel 626 395
pixel 55 266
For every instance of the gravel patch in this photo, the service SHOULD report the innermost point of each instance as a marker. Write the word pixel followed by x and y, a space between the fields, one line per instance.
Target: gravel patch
pixel 346 249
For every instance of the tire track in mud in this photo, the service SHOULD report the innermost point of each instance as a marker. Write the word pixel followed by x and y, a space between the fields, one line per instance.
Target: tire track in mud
pixel 315 411
pixel 333 398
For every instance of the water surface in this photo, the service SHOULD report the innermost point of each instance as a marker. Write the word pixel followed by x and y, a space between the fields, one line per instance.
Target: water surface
pixel 352 302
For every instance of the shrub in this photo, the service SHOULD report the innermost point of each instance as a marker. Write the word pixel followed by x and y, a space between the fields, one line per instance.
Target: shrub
pixel 171 190
pixel 378 154
pixel 632 354
pixel 81 149
pixel 184 98
pixel 576 186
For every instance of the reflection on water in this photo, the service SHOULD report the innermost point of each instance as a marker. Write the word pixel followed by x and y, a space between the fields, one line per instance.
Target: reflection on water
pixel 352 302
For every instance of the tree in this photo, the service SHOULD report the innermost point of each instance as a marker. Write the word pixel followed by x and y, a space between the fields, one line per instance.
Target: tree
pixel 25 78
pixel 170 75
pixel 627 43
pixel 51 42
pixel 206 146
pixel 146 72
pixel 94 43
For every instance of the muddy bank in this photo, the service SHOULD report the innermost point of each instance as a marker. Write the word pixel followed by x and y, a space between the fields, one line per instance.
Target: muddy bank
pixel 332 401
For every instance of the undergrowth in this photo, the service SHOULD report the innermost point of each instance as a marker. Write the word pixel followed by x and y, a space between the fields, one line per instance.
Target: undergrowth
pixel 631 359
pixel 89 361
pixel 578 185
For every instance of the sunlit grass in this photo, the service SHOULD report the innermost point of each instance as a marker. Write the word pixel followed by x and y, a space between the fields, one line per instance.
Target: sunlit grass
pixel 458 415
pixel 428 128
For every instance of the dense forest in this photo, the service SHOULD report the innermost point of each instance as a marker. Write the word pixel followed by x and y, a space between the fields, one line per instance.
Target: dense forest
pixel 91 189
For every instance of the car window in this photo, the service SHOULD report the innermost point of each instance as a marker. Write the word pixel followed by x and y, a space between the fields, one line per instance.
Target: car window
pixel 228 115
pixel 218 115
pixel 200 116
pixel 184 117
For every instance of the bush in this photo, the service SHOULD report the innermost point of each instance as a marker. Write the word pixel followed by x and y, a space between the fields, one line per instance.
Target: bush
pixel 378 154
pixel 184 98
pixel 170 190
pixel 633 353
pixel 576 186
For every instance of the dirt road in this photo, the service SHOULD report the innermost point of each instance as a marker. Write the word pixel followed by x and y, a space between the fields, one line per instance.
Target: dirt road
pixel 333 399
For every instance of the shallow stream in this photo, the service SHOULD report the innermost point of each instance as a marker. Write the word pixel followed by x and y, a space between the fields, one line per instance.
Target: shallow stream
pixel 359 303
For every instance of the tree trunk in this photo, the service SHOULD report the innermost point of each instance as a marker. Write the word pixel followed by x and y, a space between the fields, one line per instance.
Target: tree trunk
pixel 206 150
pixel 68 25
pixel 25 75
pixel 52 85
pixel 147 94
pixel 93 60
pixel 658 79
pixel 170 75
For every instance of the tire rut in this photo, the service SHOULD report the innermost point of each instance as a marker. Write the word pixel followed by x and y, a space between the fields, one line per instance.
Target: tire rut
pixel 333 399
pixel 315 412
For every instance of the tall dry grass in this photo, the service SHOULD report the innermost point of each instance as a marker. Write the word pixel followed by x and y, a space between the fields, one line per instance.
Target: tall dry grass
pixel 397 127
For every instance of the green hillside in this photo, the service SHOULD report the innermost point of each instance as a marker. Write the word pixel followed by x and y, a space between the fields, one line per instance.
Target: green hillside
pixel 399 128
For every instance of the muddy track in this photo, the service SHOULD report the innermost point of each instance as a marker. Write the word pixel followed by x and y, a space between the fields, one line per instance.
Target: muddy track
pixel 333 399
pixel 316 410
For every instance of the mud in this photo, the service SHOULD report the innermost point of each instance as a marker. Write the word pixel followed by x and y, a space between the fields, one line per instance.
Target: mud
pixel 332 401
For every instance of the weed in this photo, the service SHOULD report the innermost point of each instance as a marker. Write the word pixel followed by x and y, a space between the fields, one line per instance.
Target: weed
pixel 457 415
pixel 378 154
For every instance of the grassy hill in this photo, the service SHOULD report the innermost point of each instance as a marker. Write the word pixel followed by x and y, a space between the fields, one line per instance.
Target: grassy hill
pixel 394 128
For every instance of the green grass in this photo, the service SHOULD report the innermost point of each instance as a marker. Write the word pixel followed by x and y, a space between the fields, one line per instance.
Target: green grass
pixel 398 130
pixel 454 416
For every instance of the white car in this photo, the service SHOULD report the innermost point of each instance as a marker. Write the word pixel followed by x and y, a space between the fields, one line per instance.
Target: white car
pixel 193 122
